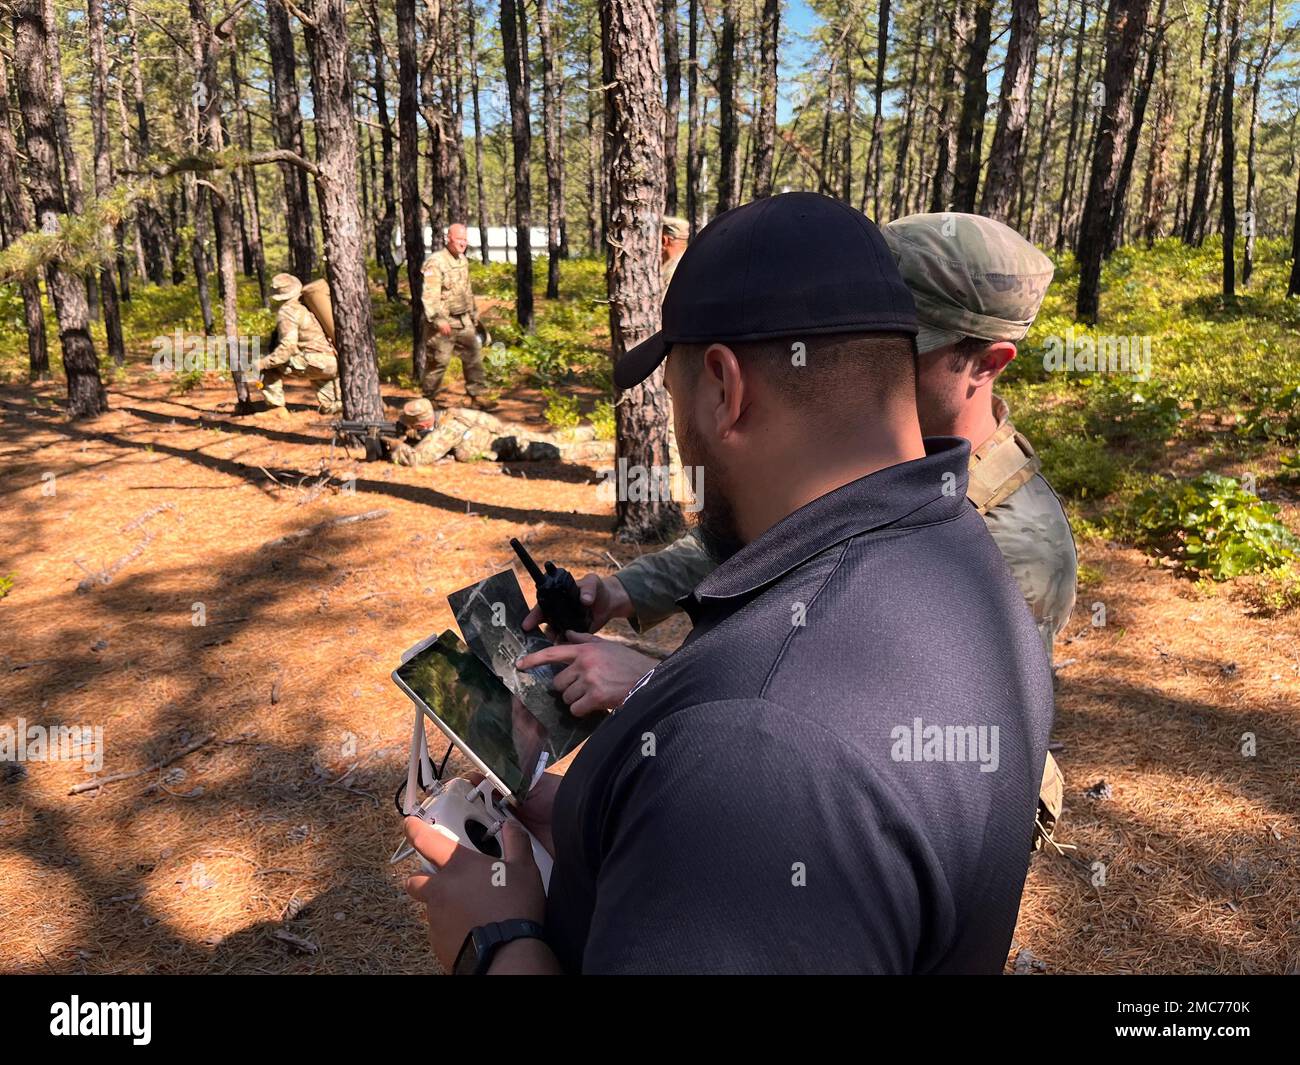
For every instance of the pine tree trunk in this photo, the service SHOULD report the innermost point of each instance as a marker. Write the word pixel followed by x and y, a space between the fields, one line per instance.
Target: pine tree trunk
pixel 388 221
pixel 1229 208
pixel 20 219
pixel 1035 192
pixel 1142 93
pixel 287 125
pixel 1125 24
pixel 1071 141
pixel 1198 207
pixel 959 27
pixel 1257 84
pixel 514 40
pixel 336 192
pixel 765 127
pixel 1006 156
pixel 898 195
pixel 408 165
pixel 153 235
pixel 480 194
pixel 673 101
pixel 205 47
pixel 728 133
pixel 871 180
pixel 974 105
pixel 252 201
pixel 1155 192
pixel 553 147
pixel 86 395
pixel 103 176
pixel 694 144
pixel 634 161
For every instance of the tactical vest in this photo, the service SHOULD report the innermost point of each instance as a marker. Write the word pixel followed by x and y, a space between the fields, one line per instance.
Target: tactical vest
pixel 455 284
pixel 1003 463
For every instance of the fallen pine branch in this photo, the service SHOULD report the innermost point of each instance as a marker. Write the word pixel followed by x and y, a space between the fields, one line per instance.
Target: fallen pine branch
pixel 303 534
pixel 113 778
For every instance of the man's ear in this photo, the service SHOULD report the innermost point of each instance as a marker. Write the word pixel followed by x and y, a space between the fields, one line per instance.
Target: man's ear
pixel 992 361
pixel 726 385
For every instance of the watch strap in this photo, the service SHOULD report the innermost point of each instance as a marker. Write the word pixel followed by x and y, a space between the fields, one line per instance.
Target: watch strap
pixel 487 939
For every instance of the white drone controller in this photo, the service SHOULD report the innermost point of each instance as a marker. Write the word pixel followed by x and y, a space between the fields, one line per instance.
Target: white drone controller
pixel 463 813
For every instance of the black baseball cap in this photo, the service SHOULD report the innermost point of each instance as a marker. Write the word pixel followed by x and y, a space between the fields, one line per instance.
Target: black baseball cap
pixel 793 265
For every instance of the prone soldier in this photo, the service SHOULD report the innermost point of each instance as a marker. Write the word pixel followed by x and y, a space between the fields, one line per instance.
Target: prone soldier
pixel 452 314
pixel 301 348
pixel 430 435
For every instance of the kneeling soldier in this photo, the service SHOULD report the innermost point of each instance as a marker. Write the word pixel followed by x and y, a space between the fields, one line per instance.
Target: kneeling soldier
pixel 301 348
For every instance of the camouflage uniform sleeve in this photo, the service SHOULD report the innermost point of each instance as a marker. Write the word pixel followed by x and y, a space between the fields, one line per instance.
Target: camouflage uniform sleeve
pixel 655 582
pixel 431 294
pixel 286 323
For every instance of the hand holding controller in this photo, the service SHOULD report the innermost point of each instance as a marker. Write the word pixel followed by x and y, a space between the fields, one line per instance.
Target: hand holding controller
pixel 463 813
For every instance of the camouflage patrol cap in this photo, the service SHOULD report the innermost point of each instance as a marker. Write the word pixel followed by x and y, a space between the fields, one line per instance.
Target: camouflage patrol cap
pixel 677 228
pixel 285 287
pixel 970 277
pixel 416 411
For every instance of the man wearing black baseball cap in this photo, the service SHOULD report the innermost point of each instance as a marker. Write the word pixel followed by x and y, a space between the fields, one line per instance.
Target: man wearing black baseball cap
pixel 817 780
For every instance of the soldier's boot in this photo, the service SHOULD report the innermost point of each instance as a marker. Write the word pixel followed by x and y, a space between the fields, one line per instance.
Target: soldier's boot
pixel 328 397
pixel 483 402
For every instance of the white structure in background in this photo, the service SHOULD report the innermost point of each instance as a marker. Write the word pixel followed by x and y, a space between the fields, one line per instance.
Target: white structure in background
pixel 501 243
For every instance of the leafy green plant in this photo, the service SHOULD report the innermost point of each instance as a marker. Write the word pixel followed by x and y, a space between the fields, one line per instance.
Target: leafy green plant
pixel 602 419
pixel 1276 416
pixel 1212 526
pixel 6 585
pixel 1290 468
pixel 561 411
pixel 187 382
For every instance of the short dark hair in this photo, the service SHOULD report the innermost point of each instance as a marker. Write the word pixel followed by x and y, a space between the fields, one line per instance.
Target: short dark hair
pixel 829 371
pixel 966 351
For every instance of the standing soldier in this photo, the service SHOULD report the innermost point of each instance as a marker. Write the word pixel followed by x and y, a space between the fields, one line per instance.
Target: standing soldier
pixel 676 234
pixel 453 318
pixel 301 348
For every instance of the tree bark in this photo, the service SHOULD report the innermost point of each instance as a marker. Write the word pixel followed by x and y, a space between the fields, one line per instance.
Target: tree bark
pixel 514 40
pixel 694 145
pixel 206 45
pixel 728 134
pixel 871 180
pixel 86 395
pixel 336 192
pixel 408 165
pixel 1006 156
pixel 287 126
pixel 388 221
pixel 252 204
pixel 153 235
pixel 1142 93
pixel 1198 208
pixel 634 160
pixel 20 219
pixel 1125 24
pixel 1155 192
pixel 1229 207
pixel 103 177
pixel 553 147
pixel 1257 84
pixel 974 105
pixel 672 102
pixel 480 193
pixel 1071 140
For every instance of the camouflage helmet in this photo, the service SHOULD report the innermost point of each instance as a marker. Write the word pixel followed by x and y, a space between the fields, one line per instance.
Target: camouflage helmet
pixel 970 277
pixel 417 412
pixel 285 287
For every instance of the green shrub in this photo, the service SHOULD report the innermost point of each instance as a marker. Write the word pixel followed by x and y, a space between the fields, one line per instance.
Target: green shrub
pixel 602 419
pixel 561 411
pixel 6 585
pixel 1212 526
pixel 1276 416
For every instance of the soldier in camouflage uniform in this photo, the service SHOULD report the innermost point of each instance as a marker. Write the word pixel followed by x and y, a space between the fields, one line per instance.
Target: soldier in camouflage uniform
pixel 468 435
pixel 675 235
pixel 977 286
pixel 452 314
pixel 301 348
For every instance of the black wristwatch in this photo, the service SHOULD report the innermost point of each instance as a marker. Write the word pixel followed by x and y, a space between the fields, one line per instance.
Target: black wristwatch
pixel 483 942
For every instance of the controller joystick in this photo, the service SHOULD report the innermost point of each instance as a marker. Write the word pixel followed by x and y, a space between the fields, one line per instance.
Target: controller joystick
pixel 462 812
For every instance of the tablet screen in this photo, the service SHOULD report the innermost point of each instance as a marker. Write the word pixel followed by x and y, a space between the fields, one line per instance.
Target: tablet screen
pixel 477 710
